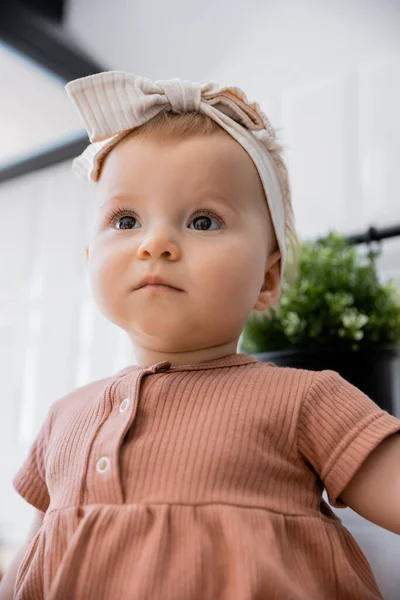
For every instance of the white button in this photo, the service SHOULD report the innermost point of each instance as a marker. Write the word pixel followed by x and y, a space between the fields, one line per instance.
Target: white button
pixel 103 464
pixel 124 405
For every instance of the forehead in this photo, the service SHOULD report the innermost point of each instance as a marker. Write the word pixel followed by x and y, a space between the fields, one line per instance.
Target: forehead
pixel 143 165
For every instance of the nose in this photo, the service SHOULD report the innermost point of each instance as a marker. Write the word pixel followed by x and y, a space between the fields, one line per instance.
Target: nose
pixel 158 245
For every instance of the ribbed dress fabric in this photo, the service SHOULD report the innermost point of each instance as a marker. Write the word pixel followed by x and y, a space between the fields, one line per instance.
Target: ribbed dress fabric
pixel 199 482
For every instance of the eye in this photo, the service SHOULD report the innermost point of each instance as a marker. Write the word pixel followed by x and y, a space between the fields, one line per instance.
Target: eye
pixel 121 218
pixel 202 220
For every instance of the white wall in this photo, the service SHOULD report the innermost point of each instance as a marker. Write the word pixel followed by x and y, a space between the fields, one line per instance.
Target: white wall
pixel 35 112
pixel 266 46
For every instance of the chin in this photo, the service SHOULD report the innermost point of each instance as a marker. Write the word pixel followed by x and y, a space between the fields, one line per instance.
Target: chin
pixel 157 330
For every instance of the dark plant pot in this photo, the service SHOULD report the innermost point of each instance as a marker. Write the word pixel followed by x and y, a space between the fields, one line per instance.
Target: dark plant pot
pixel 374 371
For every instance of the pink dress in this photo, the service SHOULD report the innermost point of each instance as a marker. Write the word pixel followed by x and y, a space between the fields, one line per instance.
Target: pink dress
pixel 200 482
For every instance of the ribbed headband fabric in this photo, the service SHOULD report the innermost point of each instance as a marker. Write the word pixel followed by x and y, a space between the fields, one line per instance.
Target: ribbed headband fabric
pixel 112 103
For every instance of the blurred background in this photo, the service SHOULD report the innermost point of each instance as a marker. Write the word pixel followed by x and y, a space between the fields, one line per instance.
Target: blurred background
pixel 326 73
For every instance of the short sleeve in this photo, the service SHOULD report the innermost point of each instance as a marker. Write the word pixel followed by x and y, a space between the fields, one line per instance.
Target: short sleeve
pixel 338 427
pixel 30 479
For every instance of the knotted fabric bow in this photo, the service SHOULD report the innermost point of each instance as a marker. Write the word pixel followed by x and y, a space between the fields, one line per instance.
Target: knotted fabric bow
pixel 112 103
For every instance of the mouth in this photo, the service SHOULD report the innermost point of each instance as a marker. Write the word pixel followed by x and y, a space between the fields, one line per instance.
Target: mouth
pixel 159 287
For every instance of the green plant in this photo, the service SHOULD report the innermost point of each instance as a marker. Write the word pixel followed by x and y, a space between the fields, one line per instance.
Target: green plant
pixel 336 300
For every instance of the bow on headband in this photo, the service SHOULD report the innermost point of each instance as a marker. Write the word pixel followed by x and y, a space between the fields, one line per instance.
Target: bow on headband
pixel 134 100
pixel 113 103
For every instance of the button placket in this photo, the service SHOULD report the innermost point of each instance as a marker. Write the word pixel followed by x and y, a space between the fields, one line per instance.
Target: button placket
pixel 103 463
pixel 105 466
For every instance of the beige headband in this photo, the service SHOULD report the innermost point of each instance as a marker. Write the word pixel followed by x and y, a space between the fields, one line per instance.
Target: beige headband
pixel 114 102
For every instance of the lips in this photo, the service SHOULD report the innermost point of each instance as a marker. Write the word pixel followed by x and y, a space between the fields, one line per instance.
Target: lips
pixel 158 285
pixel 156 280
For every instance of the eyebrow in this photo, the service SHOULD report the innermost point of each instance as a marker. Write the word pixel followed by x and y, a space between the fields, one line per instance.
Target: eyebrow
pixel 118 197
pixel 216 196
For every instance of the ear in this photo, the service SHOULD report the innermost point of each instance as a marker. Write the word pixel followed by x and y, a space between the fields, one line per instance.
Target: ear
pixel 271 289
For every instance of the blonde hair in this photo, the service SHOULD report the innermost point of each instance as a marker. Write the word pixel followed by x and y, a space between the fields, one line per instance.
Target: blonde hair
pixel 167 125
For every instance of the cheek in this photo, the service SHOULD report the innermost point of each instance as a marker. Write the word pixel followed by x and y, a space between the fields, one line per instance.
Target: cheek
pixel 233 269
pixel 105 270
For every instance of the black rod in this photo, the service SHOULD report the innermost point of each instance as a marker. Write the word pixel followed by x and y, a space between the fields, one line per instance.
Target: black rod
pixel 374 235
pixel 23 30
pixel 44 160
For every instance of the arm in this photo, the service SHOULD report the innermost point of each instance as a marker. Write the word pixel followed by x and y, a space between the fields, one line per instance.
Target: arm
pixel 374 490
pixel 8 582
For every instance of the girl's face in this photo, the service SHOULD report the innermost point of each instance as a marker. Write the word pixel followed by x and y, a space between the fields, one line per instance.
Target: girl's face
pixel 193 212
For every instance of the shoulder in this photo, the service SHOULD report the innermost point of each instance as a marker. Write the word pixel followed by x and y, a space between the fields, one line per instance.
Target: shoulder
pixel 287 378
pixel 279 386
pixel 82 395
pixel 306 391
pixel 303 380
